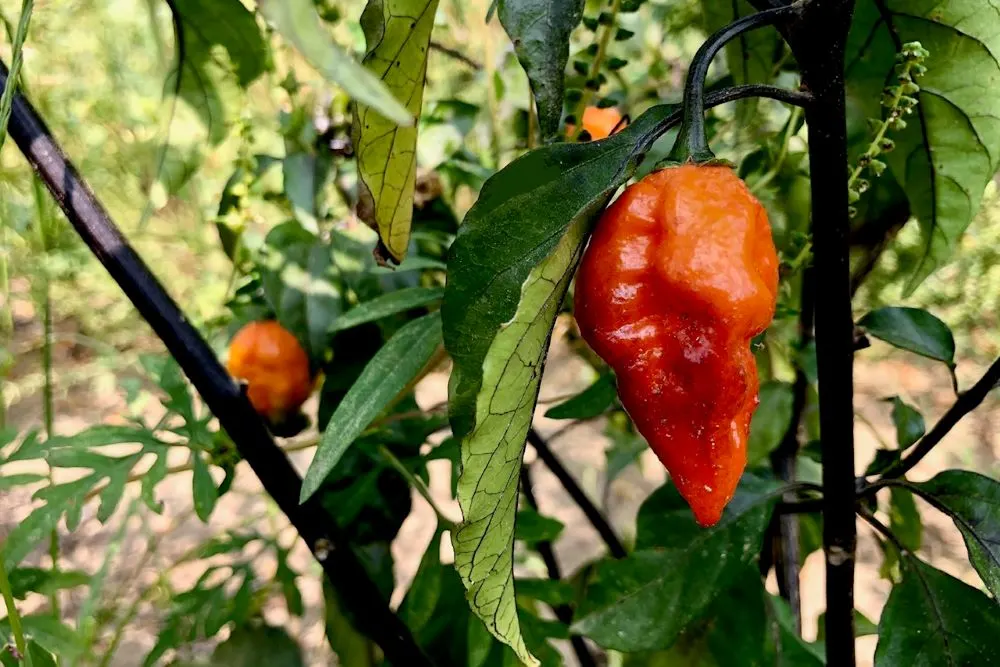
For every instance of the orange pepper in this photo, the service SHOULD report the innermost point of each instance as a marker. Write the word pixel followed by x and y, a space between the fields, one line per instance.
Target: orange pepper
pixel 680 275
pixel 276 368
pixel 599 123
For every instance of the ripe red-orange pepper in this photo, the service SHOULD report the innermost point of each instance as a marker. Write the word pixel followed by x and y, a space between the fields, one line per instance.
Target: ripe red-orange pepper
pixel 599 123
pixel 275 367
pixel 680 275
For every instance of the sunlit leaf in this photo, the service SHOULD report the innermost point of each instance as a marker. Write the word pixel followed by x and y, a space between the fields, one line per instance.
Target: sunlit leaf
pixel 398 34
pixel 385 376
pixel 397 301
pixel 298 22
pixel 770 421
pixel 204 79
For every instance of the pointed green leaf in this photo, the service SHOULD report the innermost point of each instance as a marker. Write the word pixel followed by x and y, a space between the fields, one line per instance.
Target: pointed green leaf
pixel 592 402
pixel 203 79
pixel 509 269
pixel 425 590
pixel 909 423
pixel 912 329
pixel 770 421
pixel 387 374
pixel 540 32
pixel 203 488
pixel 973 502
pixel 394 302
pixel 398 34
pixel 298 22
pixel 643 602
pixel 251 646
pixel 533 527
pixel 951 146
pixel 933 619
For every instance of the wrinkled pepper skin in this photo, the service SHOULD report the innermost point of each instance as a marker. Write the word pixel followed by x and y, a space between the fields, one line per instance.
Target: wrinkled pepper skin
pixel 680 274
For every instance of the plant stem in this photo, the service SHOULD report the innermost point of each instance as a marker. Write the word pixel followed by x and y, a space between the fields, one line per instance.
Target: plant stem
pixel 221 394
pixel 48 413
pixel 818 39
pixel 967 402
pixel 595 68
pixel 12 614
pixel 11 82
pixel 563 612
pixel 692 142
pixel 590 510
pixel 417 484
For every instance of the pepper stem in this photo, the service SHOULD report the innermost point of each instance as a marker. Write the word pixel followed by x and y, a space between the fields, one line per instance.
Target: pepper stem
pixel 692 143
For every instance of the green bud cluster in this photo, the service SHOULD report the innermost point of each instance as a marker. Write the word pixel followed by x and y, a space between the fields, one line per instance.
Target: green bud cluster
pixel 898 100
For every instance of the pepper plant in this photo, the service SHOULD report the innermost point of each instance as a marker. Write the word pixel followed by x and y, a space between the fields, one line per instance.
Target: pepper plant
pixel 848 119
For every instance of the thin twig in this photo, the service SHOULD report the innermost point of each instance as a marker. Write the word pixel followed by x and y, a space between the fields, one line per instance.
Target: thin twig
pixel 563 612
pixel 13 617
pixel 966 403
pixel 590 510
pixel 455 54
pixel 12 82
pixel 881 528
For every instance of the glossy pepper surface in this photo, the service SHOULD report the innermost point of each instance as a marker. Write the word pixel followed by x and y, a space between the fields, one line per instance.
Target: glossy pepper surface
pixel 275 367
pixel 680 274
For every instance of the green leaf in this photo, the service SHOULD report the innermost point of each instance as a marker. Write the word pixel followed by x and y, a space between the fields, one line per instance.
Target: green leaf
pixel 300 187
pixel 203 79
pixel 26 534
pixel 298 22
pixel 250 646
pixel 592 402
pixel 204 490
pixel 750 57
pixel 394 366
pixel 398 34
pixel 951 145
pixel 932 618
pixel 540 32
pixel 906 525
pixel 40 657
pixel 552 593
pixel 882 461
pixel 302 284
pixel 645 601
pixel 973 503
pixel 425 590
pixel 10 481
pixel 26 580
pixel 394 302
pixel 352 648
pixel 790 649
pixel 909 423
pixel 49 632
pixel 532 527
pixel 626 448
pixel 509 269
pixel 770 421
pixel 912 329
